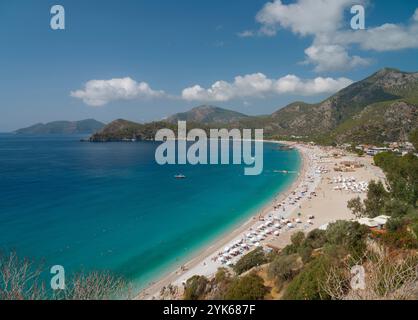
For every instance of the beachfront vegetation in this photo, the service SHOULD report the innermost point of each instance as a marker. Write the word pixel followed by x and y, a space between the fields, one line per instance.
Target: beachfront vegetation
pixel 398 200
pixel 225 286
pixel 22 279
pixel 253 259
pixel 413 138
pixel 196 288
pixel 319 265
pixel 307 284
pixel 284 268
pixel 402 176
pixel 248 287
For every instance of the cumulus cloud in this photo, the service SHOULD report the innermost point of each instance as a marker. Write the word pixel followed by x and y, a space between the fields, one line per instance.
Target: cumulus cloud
pixel 323 20
pixel 387 37
pixel 294 85
pixel 246 34
pixel 100 92
pixel 304 17
pixel 258 85
pixel 332 58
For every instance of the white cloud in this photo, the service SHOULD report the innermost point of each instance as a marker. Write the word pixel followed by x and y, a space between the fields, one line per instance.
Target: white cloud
pixel 305 17
pixel 387 37
pixel 294 85
pixel 100 92
pixel 332 58
pixel 323 20
pixel 246 34
pixel 258 85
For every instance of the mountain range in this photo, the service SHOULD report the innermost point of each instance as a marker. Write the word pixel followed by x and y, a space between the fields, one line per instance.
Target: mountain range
pixel 88 126
pixel 380 108
pixel 208 115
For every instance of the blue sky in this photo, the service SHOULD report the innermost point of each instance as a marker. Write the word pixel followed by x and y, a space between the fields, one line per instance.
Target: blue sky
pixel 148 57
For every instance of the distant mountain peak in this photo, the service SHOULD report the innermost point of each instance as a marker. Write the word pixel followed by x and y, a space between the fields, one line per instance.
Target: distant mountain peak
pixel 207 114
pixel 382 107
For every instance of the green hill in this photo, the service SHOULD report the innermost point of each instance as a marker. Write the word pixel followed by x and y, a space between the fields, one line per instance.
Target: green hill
pixel 382 107
pixel 208 115
pixel 64 127
pixel 373 109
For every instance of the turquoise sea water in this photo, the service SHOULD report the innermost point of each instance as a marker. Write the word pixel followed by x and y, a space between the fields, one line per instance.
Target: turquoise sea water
pixel 90 206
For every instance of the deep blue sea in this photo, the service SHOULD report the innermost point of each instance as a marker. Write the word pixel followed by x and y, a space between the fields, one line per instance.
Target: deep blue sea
pixel 109 206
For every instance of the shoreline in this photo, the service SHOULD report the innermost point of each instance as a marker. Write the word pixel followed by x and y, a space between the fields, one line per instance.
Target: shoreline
pixel 152 290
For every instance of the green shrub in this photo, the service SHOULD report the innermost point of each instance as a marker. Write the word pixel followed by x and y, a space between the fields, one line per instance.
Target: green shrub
pixel 289 250
pixel 297 239
pixel 413 137
pixel 222 276
pixel 307 285
pixel 253 259
pixel 357 208
pixel 249 287
pixel 283 268
pixel 316 239
pixel 349 235
pixel 394 224
pixel 396 208
pixel 401 238
pixel 402 176
pixel 376 199
pixel 305 252
pixel 196 287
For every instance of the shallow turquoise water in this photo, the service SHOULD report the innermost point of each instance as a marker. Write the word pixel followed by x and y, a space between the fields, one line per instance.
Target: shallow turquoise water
pixel 111 207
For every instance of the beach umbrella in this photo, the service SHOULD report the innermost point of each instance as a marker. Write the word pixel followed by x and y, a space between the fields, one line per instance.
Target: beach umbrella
pixel 258 244
pixel 276 233
pixel 226 249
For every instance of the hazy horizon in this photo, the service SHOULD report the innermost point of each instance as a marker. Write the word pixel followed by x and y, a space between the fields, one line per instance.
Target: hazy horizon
pixel 144 61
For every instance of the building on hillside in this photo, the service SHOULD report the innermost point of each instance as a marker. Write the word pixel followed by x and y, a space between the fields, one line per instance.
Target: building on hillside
pixel 375 150
pixel 374 223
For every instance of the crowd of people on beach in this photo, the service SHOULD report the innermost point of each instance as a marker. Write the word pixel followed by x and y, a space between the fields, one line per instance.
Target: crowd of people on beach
pixel 273 226
pixel 277 221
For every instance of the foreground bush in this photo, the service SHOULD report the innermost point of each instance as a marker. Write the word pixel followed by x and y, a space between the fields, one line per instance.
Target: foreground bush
pixel 249 287
pixel 20 279
pixel 283 269
pixel 347 237
pixel 196 288
pixel 386 277
pixel 307 285
pixel 253 259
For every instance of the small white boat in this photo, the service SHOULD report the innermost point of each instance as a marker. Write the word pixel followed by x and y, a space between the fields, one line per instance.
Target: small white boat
pixel 180 176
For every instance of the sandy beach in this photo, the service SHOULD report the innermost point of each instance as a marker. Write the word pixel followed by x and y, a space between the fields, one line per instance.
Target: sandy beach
pixel 317 197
